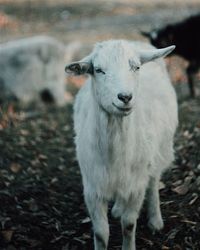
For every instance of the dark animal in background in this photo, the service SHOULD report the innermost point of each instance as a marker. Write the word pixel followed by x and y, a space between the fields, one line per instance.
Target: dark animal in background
pixel 186 36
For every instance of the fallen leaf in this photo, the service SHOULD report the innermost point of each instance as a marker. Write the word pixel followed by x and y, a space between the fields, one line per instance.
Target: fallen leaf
pixel 7 234
pixel 86 236
pixel 24 132
pixel 177 183
pixel 189 222
pixel 86 220
pixel 194 199
pixel 35 162
pixel 165 248
pixel 54 180
pixel 182 189
pixel 42 157
pixel 15 167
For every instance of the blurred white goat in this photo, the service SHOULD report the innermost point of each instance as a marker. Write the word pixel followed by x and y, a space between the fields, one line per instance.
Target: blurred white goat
pixel 125 118
pixel 32 65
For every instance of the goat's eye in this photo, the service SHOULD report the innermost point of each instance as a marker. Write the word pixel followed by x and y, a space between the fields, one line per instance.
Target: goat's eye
pixel 99 70
pixel 135 68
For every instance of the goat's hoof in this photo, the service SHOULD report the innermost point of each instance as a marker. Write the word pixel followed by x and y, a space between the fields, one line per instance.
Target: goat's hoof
pixel 155 224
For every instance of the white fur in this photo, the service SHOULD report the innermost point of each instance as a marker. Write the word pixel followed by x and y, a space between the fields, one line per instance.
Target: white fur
pixel 30 65
pixel 122 154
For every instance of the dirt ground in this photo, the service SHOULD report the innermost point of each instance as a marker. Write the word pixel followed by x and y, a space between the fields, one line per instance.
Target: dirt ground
pixel 41 202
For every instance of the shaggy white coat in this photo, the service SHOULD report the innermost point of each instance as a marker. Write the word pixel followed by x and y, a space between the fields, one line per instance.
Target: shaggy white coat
pixel 123 152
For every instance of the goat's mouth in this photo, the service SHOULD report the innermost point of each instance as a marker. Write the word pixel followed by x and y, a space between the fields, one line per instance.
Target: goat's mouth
pixel 122 109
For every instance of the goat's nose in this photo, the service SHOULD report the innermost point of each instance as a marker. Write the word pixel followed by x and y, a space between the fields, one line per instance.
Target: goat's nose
pixel 125 98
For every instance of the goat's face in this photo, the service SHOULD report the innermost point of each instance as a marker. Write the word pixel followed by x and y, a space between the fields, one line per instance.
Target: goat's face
pixel 115 77
pixel 115 68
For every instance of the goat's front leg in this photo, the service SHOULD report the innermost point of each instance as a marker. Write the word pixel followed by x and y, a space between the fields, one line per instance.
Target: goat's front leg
pixel 153 205
pixel 98 212
pixel 129 220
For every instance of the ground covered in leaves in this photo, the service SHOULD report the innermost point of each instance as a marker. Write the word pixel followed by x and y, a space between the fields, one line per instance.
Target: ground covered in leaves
pixel 41 191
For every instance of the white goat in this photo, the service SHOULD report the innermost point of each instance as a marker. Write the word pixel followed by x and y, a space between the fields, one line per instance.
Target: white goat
pixel 125 118
pixel 31 65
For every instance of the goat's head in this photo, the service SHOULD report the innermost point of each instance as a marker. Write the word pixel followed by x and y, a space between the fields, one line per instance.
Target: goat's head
pixel 161 37
pixel 114 67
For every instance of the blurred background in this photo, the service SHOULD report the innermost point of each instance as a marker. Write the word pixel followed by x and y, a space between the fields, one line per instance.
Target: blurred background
pixel 40 185
pixel 89 21
pixel 82 23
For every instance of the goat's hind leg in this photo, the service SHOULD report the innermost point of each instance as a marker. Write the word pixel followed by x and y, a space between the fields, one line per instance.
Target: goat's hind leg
pixel 98 212
pixel 155 222
pixel 191 71
pixel 118 208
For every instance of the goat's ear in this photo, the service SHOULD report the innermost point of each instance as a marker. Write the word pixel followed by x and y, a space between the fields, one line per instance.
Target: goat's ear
pixel 153 35
pixel 150 55
pixel 146 34
pixel 79 68
pixel 82 67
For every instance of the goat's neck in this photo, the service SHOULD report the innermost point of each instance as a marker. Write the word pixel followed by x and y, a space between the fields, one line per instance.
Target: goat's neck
pixel 113 135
